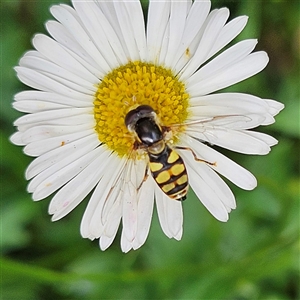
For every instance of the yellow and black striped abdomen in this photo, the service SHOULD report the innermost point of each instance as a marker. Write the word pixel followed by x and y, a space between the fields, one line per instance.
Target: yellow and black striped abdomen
pixel 170 174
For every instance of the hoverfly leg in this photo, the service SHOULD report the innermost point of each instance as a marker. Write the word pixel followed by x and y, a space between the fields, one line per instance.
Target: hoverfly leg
pixel 144 179
pixel 195 156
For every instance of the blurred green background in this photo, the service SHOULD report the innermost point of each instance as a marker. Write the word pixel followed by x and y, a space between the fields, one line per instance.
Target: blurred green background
pixel 253 256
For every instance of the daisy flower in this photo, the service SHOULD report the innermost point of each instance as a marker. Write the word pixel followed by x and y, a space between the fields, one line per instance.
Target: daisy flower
pixel 127 112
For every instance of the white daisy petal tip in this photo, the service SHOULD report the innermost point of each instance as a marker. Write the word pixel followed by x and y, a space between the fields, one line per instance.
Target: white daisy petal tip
pixel 178 236
pixel 244 19
pixel 16 139
pixel 85 232
pixel 85 85
pixel 262 58
pixel 137 244
pixel 273 142
pixel 88 236
pixel 251 184
pixel 126 245
pixel 275 107
pixel 105 242
pixel 36 38
pixel 223 219
pixel 55 217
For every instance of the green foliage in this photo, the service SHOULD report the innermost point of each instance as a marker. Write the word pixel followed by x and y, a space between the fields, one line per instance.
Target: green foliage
pixel 253 256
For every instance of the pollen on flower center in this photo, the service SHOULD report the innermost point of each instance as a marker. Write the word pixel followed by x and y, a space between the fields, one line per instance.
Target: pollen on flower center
pixel 129 86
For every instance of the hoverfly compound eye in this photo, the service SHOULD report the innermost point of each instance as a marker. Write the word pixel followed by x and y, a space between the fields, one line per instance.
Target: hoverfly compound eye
pixel 130 118
pixel 142 111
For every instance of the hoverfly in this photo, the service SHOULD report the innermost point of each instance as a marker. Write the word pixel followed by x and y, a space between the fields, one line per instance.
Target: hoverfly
pixel 166 166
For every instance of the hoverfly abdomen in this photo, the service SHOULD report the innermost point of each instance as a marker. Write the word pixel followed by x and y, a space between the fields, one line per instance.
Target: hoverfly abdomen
pixel 166 166
pixel 169 172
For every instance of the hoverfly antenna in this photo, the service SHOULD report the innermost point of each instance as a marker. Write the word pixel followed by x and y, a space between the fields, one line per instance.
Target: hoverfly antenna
pixel 129 100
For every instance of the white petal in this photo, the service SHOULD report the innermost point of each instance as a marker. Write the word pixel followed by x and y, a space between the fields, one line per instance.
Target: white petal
pixel 78 188
pixel 111 228
pixel 238 103
pixel 47 83
pixel 17 139
pixel 55 156
pixel 113 205
pixel 246 102
pixel 113 217
pixel 53 178
pixel 194 22
pixel 226 59
pixel 215 111
pixel 126 245
pixel 249 66
pixel 64 169
pixel 177 21
pixel 71 46
pixel 274 106
pixel 178 236
pixel 269 140
pixel 145 210
pixel 232 110
pixel 138 27
pixel 129 219
pixel 32 106
pixel 53 98
pixel 101 32
pixel 158 17
pixel 134 177
pixel 42 146
pixel 45 116
pixel 169 213
pixel 219 189
pixel 235 122
pixel 92 224
pixel 233 140
pixel 174 216
pixel 58 55
pixel 269 119
pixel 161 211
pixel 228 33
pixel 203 187
pixel 213 26
pixel 62 75
pixel 72 120
pixel 42 132
pixel 124 12
pixel 106 241
pixel 207 197
pixel 64 16
pixel 223 165
pixel 164 47
pixel 115 35
pixel 71 83
pixel 93 227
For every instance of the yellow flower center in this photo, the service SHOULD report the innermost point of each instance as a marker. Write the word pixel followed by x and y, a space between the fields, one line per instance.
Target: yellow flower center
pixel 130 86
